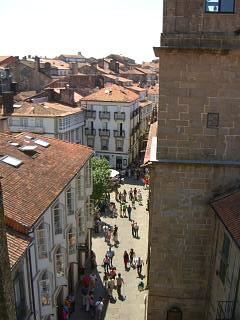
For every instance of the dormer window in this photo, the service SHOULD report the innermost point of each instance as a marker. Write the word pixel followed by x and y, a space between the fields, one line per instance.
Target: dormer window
pixel 220 6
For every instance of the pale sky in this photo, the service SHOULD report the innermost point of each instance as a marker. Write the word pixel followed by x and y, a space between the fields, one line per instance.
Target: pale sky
pixel 94 27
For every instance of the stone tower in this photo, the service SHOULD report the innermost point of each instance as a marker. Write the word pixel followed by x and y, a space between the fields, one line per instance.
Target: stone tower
pixel 7 301
pixel 198 150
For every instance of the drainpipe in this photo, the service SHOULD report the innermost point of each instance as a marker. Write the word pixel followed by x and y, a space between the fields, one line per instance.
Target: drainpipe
pixel 33 299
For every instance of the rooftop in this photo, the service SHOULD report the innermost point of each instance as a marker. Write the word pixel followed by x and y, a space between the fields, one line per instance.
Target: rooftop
pixel 30 187
pixel 113 93
pixel 228 210
pixel 153 90
pixel 145 103
pixel 45 109
pixel 17 245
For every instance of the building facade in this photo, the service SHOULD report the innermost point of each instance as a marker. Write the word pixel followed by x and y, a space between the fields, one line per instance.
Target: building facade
pixel 56 218
pixel 112 122
pixel 196 151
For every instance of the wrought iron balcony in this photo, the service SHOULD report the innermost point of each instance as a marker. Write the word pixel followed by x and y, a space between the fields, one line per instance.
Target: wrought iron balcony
pixel 119 133
pixel 225 310
pixel 91 114
pixel 90 132
pixel 104 132
pixel 104 115
pixel 119 116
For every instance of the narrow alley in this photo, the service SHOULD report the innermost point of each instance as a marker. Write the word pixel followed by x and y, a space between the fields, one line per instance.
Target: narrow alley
pixel 133 306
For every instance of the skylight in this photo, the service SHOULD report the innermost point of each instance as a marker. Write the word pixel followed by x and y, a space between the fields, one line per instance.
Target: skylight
pixel 27 148
pixel 11 160
pixel 42 143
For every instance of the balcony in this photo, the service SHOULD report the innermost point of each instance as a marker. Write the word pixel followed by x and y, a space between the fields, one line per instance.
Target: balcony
pixel 119 116
pixel 119 134
pixel 225 310
pixel 104 115
pixel 104 133
pixel 90 132
pixel 90 114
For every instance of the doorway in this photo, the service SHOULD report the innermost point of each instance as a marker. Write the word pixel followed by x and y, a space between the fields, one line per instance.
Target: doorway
pixel 119 162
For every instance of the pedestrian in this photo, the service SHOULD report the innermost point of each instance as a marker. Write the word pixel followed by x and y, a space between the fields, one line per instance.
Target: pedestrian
pixel 105 279
pixel 106 263
pixel 129 212
pixel 111 286
pixel 93 259
pixel 139 197
pixel 139 264
pixel 115 237
pixel 136 227
pixel 124 210
pixel 133 228
pixel 114 211
pixel 113 273
pixel 86 280
pixel 124 195
pixel 130 194
pixel 84 292
pixel 133 203
pixel 125 259
pixel 97 225
pixel 120 282
pixel 93 280
pixel 131 256
pixel 138 174
pixel 120 197
pixel 110 253
pixel 109 236
pixel 135 193
pixel 99 308
pixel 121 209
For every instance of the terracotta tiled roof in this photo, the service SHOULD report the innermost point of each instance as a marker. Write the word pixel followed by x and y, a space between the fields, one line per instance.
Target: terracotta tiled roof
pixel 114 93
pixel 153 90
pixel 45 109
pixel 132 71
pixel 17 245
pixel 111 76
pixel 145 71
pixel 145 103
pixel 55 63
pixel 73 56
pixel 152 133
pixel 228 210
pixel 29 189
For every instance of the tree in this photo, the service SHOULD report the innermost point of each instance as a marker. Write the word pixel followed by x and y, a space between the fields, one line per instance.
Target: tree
pixel 101 179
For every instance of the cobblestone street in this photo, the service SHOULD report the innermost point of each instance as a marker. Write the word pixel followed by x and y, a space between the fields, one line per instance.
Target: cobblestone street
pixel 133 307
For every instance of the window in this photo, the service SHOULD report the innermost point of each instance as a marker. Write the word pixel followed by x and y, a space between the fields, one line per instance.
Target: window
pixel 90 142
pixel 71 241
pixel 80 222
pixel 88 174
pixel 59 263
pixel 44 288
pixel 70 201
pixel 224 258
pixel 23 122
pixel 105 109
pixel 42 247
pixel 119 145
pixel 77 134
pixel 58 219
pixel 104 125
pixel 220 6
pixel 212 120
pixel 39 123
pixel 104 144
pixel 19 291
pixel 80 187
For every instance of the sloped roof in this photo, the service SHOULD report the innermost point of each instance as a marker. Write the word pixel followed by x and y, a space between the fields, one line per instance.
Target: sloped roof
pixel 17 245
pixel 153 90
pixel 114 93
pixel 30 188
pixel 228 210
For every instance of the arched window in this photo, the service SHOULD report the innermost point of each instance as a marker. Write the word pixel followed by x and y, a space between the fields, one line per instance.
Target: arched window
pixel 58 219
pixel 80 187
pixel 45 290
pixel 59 263
pixel 72 241
pixel 70 201
pixel 42 247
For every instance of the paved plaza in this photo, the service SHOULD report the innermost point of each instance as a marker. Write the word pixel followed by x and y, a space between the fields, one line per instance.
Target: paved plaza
pixel 133 307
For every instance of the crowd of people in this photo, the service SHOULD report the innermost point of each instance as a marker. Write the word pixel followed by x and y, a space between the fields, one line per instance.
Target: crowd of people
pixel 112 279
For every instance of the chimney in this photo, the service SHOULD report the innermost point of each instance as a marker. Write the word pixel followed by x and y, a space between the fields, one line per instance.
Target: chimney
pixel 37 63
pixel 7 300
pixel 13 87
pixel 7 102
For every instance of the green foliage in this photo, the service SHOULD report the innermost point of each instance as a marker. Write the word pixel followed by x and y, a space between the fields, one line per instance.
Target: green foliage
pixel 101 179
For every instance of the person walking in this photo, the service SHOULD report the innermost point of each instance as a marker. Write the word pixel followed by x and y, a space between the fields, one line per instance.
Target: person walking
pixel 120 282
pixel 133 228
pixel 106 263
pixel 124 195
pixel 120 197
pixel 124 210
pixel 110 253
pixel 113 273
pixel 121 209
pixel 115 237
pixel 139 264
pixel 99 308
pixel 93 280
pixel 129 212
pixel 93 259
pixel 135 193
pixel 139 197
pixel 111 285
pixel 131 256
pixel 130 194
pixel 133 203
pixel 125 259
pixel 136 227
pixel 105 279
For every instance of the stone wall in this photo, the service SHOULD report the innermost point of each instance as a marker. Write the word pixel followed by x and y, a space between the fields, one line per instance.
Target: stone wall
pixel 193 83
pixel 181 235
pixel 7 301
